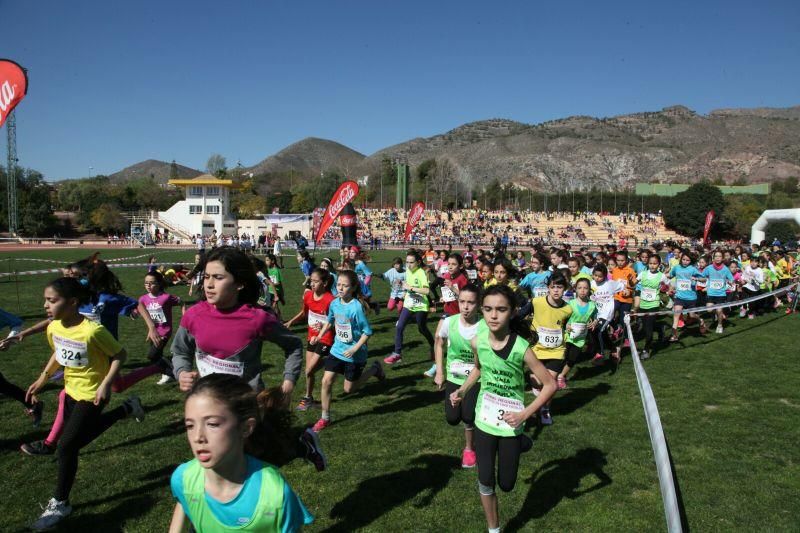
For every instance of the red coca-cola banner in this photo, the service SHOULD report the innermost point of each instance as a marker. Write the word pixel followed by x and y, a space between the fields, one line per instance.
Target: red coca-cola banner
pixel 13 87
pixel 343 195
pixel 414 214
pixel 707 228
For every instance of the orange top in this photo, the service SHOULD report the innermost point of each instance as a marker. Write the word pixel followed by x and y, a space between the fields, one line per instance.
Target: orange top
pixel 429 256
pixel 625 273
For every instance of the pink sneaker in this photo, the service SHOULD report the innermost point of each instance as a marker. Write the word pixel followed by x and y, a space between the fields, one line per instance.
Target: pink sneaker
pixel 468 459
pixel 320 425
pixel 394 358
pixel 597 359
pixel 681 323
pixel 561 383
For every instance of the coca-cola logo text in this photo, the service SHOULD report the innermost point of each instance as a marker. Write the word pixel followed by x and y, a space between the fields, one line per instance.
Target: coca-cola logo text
pixel 347 193
pixel 7 94
pixel 347 220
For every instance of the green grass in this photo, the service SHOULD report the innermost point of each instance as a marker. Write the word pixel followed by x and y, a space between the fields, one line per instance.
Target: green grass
pixel 729 404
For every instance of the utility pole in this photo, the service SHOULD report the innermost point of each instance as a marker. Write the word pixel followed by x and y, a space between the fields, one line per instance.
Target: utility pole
pixel 11 172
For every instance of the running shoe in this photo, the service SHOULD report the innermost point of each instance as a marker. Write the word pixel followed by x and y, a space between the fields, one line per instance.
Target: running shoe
pixel 681 323
pixel 789 311
pixel 394 358
pixel 320 425
pixel 598 359
pixel 561 383
pixel 627 343
pixel 35 412
pixel 750 317
pixel 720 329
pixel 535 391
pixel 742 312
pixel 14 332
pixel 314 454
pixel 306 403
pixel 38 447
pixel 133 406
pixel 165 378
pixel 431 372
pixel 468 458
pixel 644 355
pixel 544 416
pixel 379 373
pixel 54 513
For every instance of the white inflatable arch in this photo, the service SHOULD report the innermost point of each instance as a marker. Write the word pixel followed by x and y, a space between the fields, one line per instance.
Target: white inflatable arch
pixel 757 233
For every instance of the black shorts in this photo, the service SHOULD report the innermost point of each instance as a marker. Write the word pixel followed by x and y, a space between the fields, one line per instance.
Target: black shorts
pixel 319 348
pixel 572 354
pixel 350 371
pixel 714 300
pixel 553 365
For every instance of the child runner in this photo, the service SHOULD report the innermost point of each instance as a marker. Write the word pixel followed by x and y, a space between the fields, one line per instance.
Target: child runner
pixel 469 269
pixel 415 306
pixel 536 280
pixel 603 291
pixel 349 351
pixel 227 486
pixel 276 279
pixel 650 282
pixel 457 331
pixel 91 358
pixel 158 305
pixel 364 274
pixel 306 265
pixel 582 320
pixel 395 276
pixel 327 264
pixel 550 316
pixel 316 303
pixel 500 414
pixel 718 277
pixel 685 296
pixel 452 282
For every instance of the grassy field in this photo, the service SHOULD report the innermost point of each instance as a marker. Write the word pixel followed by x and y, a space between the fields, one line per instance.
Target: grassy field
pixel 730 405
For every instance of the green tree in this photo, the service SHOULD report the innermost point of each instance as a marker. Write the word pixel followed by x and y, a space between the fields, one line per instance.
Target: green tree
pixel 107 217
pixel 741 211
pixel 216 165
pixel 783 231
pixel 686 214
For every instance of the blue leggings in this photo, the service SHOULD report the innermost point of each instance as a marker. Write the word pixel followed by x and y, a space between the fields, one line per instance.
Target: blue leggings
pixel 421 317
pixel 7 319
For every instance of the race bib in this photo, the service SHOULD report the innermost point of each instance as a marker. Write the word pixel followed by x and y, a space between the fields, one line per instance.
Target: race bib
pixel 274 279
pixel 716 284
pixel 649 295
pixel 157 314
pixel 70 353
pixel 416 299
pixel 443 270
pixel 550 337
pixel 539 291
pixel 493 408
pixel 472 275
pixel 316 320
pixel 448 295
pixel 461 369
pixel 344 332
pixel 208 364
pixel 683 285
pixel 577 330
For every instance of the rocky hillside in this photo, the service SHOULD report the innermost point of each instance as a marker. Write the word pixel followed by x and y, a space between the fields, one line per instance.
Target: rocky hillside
pixel 151 167
pixel 672 145
pixel 310 156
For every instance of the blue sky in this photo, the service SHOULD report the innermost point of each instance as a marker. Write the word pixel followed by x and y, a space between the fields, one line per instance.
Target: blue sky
pixel 113 83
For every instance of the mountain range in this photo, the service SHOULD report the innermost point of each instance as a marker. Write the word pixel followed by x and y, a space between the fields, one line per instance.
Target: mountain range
pixel 674 144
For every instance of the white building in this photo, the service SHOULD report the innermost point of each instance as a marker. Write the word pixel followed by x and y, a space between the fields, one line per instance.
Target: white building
pixel 205 209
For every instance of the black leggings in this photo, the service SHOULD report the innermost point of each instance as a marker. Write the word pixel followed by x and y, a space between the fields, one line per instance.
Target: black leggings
pixel 12 391
pixel 506 451
pixel 464 411
pixel 421 317
pixel 651 324
pixel 83 422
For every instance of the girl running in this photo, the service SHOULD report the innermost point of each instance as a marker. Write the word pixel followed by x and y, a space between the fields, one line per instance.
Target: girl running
pixel 347 315
pixel 364 274
pixel 327 264
pixel 603 291
pixel 275 282
pixel 452 282
pixel 228 486
pixel 650 282
pixel 536 280
pixel 316 303
pixel 91 358
pixel 717 277
pixel 415 305
pixel 582 320
pixel 306 265
pixel 158 305
pixel 685 295
pixel 500 414
pixel 453 337
pixel 395 276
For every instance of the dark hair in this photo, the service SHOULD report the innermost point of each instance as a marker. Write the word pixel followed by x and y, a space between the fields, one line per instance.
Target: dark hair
pixel 102 280
pixel 600 267
pixel 502 290
pixel 236 262
pixel 415 255
pixel 589 283
pixel 352 277
pixel 469 287
pixel 397 260
pixel 327 278
pixel 70 288
pixel 272 258
pixel 271 438
pixel 159 277
pixel 558 279
pixel 458 257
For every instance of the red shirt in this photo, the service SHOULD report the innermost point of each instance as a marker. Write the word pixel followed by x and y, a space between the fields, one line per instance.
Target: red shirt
pixel 318 307
pixel 451 308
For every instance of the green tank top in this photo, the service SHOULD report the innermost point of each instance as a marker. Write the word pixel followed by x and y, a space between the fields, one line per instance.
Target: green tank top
pixel 267 515
pixel 460 359
pixel 502 385
pixel 578 322
pixel 415 301
pixel 649 297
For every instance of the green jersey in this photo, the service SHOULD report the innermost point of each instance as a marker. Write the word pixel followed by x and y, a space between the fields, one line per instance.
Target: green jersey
pixel 649 297
pixel 460 358
pixel 415 301
pixel 578 323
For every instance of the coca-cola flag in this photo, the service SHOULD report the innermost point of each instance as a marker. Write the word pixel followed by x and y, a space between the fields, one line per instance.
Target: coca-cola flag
pixel 414 214
pixel 343 195
pixel 13 87
pixel 707 228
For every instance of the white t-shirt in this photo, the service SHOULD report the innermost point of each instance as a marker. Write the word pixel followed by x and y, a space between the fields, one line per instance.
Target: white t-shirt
pixel 603 296
pixel 467 332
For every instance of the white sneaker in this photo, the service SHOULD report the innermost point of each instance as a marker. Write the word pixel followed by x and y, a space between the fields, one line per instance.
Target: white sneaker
pixel 135 409
pixel 720 329
pixel 54 513
pixel 14 332
pixel 431 372
pixel 165 378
